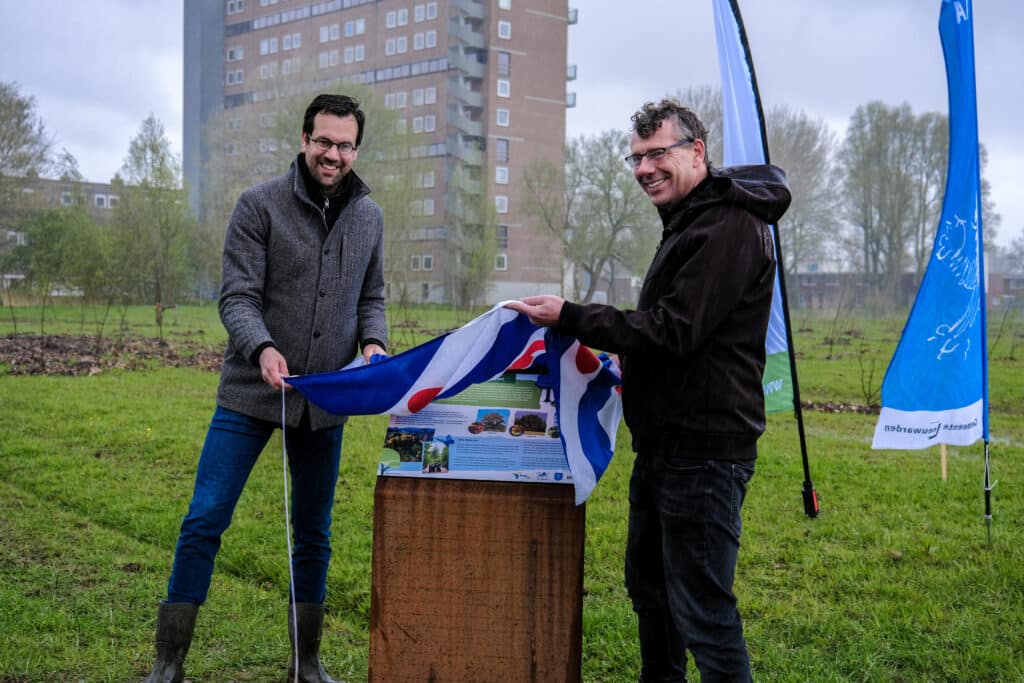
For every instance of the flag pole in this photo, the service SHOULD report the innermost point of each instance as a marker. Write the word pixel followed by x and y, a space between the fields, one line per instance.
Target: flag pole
pixel 810 496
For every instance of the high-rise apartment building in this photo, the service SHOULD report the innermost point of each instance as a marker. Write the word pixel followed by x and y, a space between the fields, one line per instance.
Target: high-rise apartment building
pixel 479 84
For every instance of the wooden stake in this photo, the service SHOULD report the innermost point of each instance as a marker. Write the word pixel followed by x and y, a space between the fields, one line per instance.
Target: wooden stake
pixel 942 459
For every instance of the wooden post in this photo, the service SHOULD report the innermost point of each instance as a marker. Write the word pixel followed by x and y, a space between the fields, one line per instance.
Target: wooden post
pixel 476 581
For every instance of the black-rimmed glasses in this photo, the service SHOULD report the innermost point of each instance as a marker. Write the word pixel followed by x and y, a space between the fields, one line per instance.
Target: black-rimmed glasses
pixel 656 154
pixel 324 144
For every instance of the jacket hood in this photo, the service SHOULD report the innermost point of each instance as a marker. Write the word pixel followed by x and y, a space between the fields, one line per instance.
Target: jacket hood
pixel 761 189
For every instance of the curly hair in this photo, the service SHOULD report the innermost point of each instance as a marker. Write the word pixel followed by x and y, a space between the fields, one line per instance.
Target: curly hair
pixel 648 120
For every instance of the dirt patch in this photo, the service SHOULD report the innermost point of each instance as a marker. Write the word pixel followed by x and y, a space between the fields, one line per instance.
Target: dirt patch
pixel 830 407
pixel 75 355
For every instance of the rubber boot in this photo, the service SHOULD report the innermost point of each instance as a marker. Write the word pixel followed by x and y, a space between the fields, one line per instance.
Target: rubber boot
pixel 175 622
pixel 310 626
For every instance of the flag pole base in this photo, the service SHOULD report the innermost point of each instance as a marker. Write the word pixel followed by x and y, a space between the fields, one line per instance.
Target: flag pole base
pixel 811 508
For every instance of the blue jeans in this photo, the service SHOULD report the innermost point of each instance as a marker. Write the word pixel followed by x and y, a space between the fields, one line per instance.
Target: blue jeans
pixel 681 551
pixel 233 443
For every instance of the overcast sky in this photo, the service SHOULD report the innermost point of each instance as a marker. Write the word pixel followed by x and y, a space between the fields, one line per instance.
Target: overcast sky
pixel 97 69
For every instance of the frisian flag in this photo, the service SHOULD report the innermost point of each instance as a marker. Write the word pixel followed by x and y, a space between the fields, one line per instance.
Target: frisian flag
pixel 936 387
pixel 587 399
pixel 744 141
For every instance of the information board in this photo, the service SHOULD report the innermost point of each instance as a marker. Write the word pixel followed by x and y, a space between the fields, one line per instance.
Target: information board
pixel 502 430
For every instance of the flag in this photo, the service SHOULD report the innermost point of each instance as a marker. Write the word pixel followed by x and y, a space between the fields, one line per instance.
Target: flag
pixel 588 403
pixel 935 389
pixel 743 141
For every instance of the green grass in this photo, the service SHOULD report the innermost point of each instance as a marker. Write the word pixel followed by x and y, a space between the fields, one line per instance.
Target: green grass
pixel 895 581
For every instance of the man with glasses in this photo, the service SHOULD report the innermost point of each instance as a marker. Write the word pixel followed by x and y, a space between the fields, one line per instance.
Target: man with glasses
pixel 692 356
pixel 302 291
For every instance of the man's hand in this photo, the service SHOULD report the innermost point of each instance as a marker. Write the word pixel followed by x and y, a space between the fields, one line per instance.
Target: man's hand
pixel 273 367
pixel 542 309
pixel 369 350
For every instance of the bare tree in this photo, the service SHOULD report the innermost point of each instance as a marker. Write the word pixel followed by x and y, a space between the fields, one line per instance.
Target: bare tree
pixel 24 142
pixel 805 148
pixel 152 223
pixel 596 210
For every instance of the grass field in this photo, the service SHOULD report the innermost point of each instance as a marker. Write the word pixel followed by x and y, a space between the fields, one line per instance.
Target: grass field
pixel 895 581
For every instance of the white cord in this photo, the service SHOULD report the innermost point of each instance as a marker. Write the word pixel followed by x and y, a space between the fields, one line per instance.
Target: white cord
pixel 288 537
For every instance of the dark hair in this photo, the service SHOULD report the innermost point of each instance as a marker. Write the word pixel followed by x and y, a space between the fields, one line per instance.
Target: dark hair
pixel 648 120
pixel 335 105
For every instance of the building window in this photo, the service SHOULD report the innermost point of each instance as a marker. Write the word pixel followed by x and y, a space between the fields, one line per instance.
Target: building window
pixel 501 262
pixel 419 13
pixel 502 117
pixel 501 175
pixel 402 44
pixel 415 262
pixel 403 16
pixel 360 53
pixel 67 199
pixel 391 19
pixel 501 150
pixel 236 6
pixel 235 54
pixel 428 262
pixel 101 201
pixel 428 206
pixel 325 34
pixel 504 87
pixel 425 179
pixel 431 39
pixel 431 10
pixel 324 60
pixel 235 77
pixel 417 124
pixel 504 4
pixel 505 30
pixel 501 204
pixel 429 123
pixel 335 32
pixel 355 27
pixel 504 63
pixel 418 41
pixel 113 200
pixel 430 95
pixel 501 237
pixel 389 47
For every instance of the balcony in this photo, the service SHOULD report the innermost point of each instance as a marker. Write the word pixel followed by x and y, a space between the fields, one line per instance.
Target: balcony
pixel 467 153
pixel 459 122
pixel 470 8
pixel 573 16
pixel 570 72
pixel 570 100
pixel 463 94
pixel 464 34
pixel 466 64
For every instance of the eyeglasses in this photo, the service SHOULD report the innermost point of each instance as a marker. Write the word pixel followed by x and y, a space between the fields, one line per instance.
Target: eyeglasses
pixel 324 144
pixel 656 154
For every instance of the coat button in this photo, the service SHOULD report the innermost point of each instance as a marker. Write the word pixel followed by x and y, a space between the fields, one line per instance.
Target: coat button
pixel 316 334
pixel 323 293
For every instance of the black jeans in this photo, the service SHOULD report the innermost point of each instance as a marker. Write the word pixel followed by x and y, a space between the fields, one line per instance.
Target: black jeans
pixel 684 538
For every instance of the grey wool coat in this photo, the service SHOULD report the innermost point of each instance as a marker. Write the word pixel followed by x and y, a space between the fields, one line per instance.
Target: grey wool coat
pixel 313 293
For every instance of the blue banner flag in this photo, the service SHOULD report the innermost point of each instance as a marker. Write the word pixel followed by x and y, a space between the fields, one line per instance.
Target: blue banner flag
pixel 744 142
pixel 936 388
